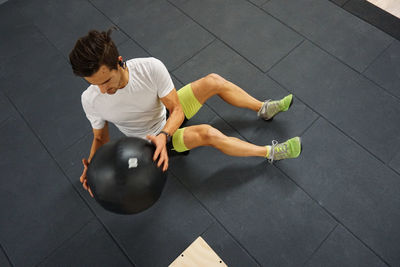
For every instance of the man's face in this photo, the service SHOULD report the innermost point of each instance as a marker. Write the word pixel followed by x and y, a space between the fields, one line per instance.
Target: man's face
pixel 107 80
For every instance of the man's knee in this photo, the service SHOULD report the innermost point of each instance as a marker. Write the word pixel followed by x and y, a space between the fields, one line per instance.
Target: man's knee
pixel 210 136
pixel 215 81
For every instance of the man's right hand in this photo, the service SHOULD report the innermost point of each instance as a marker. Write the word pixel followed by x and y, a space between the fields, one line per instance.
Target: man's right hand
pixel 83 178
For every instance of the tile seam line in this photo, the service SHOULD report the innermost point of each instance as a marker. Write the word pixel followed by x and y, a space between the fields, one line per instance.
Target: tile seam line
pixel 76 141
pixel 397 98
pixel 64 242
pixel 207 228
pixel 215 36
pixel 194 54
pixel 66 177
pixel 333 217
pixel 3 122
pixel 50 42
pixel 5 253
pixel 374 82
pixel 398 173
pixel 311 124
pixel 285 56
pixel 119 28
pixel 378 56
pixel 336 127
pixel 216 219
pixel 342 5
pixel 320 245
pixel 394 156
pixel 327 52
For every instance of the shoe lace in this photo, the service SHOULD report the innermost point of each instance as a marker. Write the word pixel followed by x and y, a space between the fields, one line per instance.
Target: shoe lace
pixel 277 149
pixel 274 107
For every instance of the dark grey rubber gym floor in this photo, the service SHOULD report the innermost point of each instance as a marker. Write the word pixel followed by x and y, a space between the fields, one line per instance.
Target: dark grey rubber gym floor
pixel 338 204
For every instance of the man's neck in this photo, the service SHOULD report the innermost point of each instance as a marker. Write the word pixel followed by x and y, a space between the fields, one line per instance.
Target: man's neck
pixel 124 77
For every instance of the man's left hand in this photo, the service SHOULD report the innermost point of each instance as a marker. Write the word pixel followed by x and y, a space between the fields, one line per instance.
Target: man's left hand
pixel 161 150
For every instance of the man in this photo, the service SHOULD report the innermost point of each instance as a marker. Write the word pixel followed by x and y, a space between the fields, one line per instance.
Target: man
pixel 134 94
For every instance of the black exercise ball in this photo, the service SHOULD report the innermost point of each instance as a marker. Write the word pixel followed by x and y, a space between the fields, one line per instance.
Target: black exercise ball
pixel 123 177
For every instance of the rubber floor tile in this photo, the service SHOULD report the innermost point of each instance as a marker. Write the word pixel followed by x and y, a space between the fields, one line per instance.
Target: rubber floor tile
pixel 353 103
pixel 343 249
pixel 53 108
pixel 356 188
pixel 91 246
pixel 29 66
pixel 159 27
pixel 36 198
pixel 338 32
pixel 14 36
pixel 248 30
pixel 11 17
pixel 63 22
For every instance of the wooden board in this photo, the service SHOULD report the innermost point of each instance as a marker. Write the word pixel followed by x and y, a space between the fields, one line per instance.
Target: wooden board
pixel 390 6
pixel 199 253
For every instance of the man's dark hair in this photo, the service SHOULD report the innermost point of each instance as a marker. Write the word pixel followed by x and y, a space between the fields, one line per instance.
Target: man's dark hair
pixel 92 51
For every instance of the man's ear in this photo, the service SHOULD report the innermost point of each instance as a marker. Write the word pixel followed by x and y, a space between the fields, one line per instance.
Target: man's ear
pixel 121 62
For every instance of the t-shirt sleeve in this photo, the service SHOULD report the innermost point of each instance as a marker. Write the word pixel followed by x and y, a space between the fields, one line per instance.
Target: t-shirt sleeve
pixel 95 120
pixel 161 78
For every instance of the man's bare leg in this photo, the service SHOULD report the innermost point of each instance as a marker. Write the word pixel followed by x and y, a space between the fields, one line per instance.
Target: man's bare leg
pixel 213 84
pixel 206 135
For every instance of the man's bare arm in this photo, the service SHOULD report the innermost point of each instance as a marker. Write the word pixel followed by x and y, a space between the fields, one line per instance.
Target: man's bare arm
pixel 100 137
pixel 176 115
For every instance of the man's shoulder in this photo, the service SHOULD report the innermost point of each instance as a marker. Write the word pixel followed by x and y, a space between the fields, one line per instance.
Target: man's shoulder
pixel 143 61
pixel 90 94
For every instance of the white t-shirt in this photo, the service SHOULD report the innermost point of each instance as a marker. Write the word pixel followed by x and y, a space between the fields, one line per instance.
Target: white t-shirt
pixel 135 109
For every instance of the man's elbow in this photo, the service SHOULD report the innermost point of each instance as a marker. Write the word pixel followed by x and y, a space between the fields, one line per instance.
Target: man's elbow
pixel 177 112
pixel 181 114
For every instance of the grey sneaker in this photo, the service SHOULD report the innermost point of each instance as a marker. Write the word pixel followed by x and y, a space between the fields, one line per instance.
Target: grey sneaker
pixel 286 150
pixel 270 108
